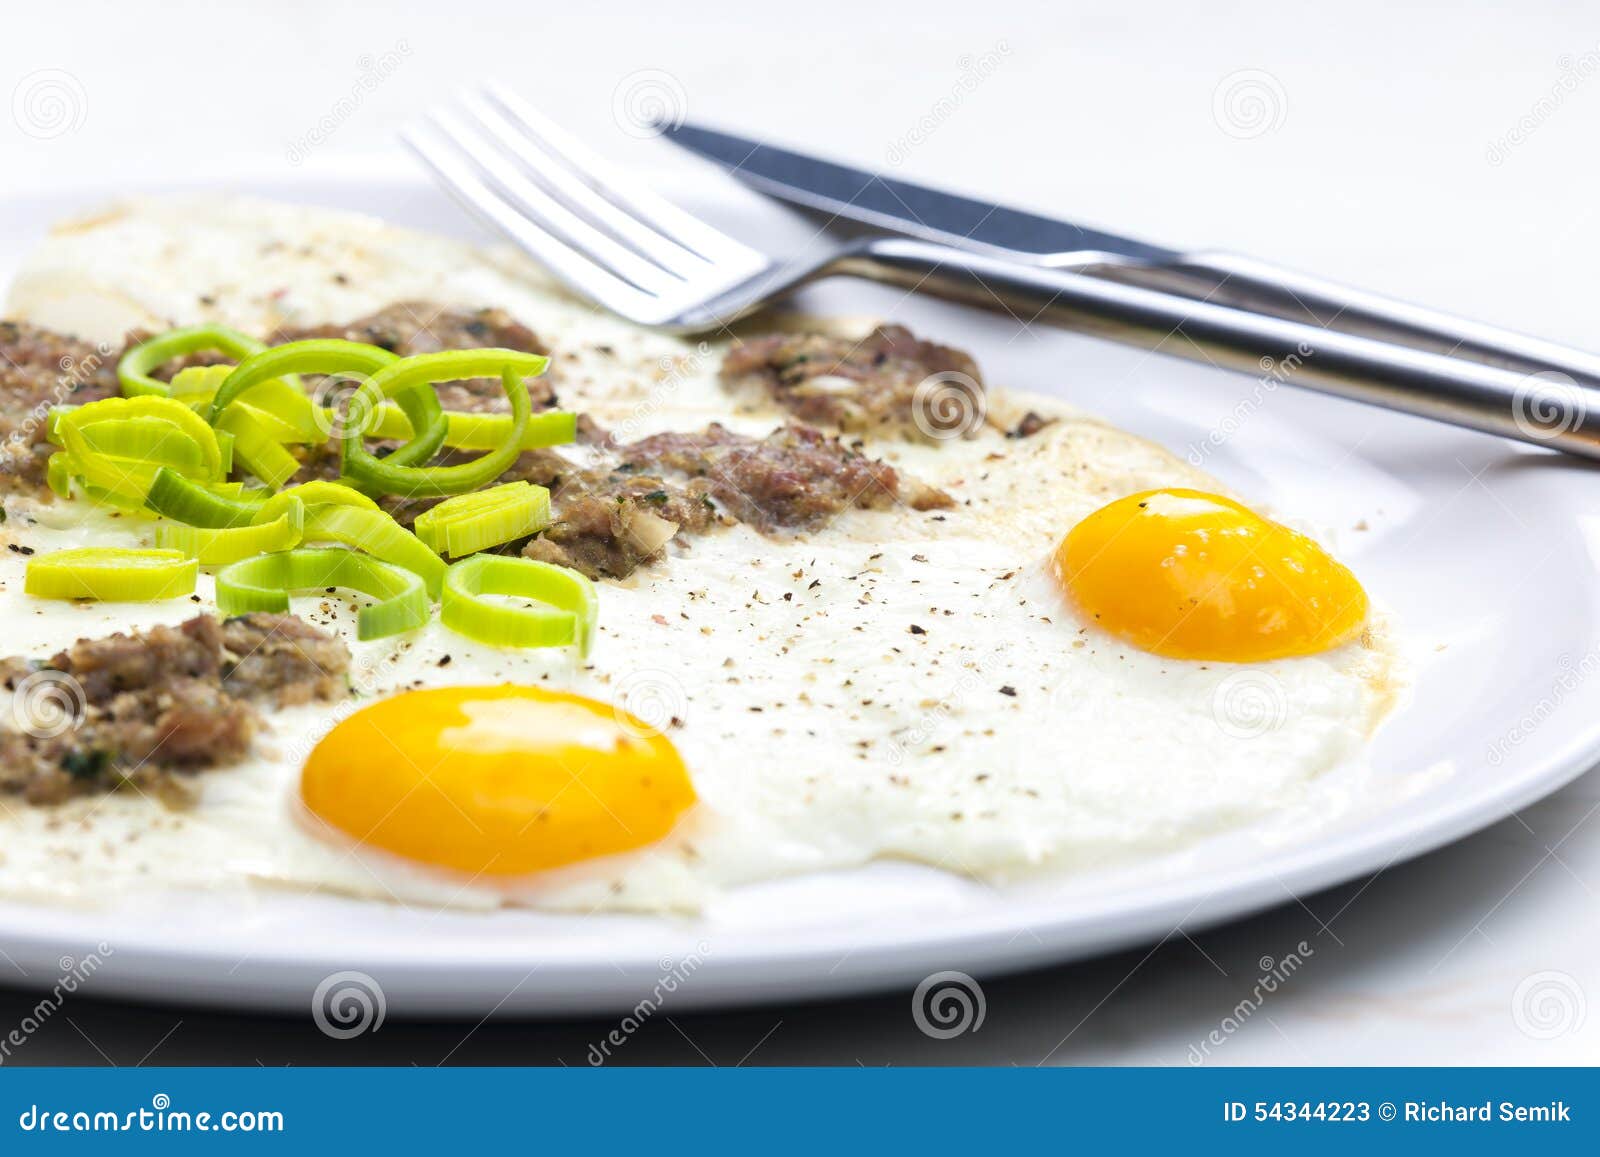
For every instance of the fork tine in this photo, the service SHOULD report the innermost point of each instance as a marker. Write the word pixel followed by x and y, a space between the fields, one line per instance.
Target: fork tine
pixel 578 194
pixel 606 179
pixel 576 269
pixel 556 218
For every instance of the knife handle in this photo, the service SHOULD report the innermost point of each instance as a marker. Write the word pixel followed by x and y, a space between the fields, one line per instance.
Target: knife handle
pixel 1259 287
pixel 1539 407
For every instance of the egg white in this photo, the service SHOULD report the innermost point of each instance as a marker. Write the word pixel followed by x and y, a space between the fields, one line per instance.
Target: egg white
pixel 897 684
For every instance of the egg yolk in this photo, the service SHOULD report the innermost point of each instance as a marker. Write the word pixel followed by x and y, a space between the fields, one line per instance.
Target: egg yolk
pixel 1192 575
pixel 499 781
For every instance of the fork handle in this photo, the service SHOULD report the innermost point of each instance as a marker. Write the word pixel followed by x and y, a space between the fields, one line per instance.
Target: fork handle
pixel 1257 286
pixel 1543 408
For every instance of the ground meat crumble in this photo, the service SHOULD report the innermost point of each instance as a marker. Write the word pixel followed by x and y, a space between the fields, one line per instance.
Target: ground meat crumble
pixel 146 708
pixel 865 386
pixel 40 369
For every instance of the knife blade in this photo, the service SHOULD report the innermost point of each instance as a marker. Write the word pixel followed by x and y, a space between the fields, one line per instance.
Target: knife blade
pixel 902 206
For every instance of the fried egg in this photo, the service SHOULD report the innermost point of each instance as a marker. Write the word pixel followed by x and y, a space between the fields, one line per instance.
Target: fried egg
pixel 1097 654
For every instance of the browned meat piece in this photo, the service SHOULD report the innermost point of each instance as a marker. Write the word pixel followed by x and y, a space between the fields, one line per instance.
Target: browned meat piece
pixel 140 708
pixel 282 658
pixel 421 327
pixel 608 521
pixel 796 477
pixel 1030 425
pixel 40 369
pixel 868 386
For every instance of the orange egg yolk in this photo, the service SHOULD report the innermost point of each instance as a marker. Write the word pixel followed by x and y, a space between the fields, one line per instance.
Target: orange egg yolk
pixel 498 781
pixel 1192 575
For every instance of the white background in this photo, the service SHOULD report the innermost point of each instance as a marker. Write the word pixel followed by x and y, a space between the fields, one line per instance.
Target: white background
pixel 1446 154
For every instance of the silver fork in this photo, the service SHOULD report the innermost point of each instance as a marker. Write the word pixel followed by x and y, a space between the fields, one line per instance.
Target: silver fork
pixel 610 238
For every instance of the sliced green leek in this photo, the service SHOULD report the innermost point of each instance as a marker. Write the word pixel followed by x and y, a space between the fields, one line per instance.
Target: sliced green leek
pixel 376 533
pixel 472 522
pixel 133 371
pixel 417 407
pixel 111 574
pixel 196 385
pixel 317 492
pixel 184 500
pixel 466 430
pixel 118 444
pixel 566 612
pixel 386 476
pixel 265 582
pixel 256 448
pixel 218 546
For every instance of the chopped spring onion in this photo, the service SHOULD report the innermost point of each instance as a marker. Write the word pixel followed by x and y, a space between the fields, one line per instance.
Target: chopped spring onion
pixel 111 574
pixel 389 477
pixel 135 367
pixel 218 546
pixel 263 583
pixel 567 614
pixel 216 506
pixel 469 523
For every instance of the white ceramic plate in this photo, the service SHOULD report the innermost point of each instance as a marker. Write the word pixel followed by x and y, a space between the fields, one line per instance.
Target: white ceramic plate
pixel 1487 551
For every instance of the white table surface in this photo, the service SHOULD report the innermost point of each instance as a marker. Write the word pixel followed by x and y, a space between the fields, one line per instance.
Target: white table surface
pixel 1445 155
